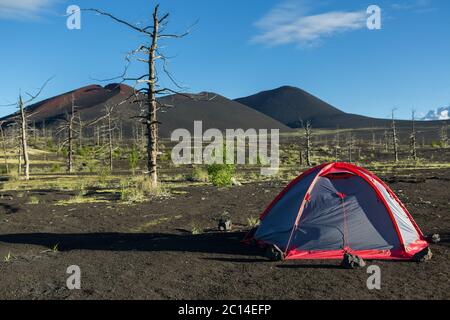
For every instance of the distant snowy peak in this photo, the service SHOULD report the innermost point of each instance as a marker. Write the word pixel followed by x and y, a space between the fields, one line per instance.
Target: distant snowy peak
pixel 439 114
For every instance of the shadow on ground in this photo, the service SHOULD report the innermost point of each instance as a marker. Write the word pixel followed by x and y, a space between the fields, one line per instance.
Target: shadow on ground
pixel 218 243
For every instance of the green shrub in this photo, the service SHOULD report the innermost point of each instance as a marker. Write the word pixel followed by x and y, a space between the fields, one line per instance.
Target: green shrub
pixel 221 174
pixel 3 169
pixel 84 151
pixel 198 175
pixel 64 152
pixel 117 153
pixel 51 146
pixel 56 167
pixel 133 159
pixel 165 156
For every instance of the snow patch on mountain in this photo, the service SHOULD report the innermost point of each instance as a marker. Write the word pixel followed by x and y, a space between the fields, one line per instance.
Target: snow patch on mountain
pixel 439 114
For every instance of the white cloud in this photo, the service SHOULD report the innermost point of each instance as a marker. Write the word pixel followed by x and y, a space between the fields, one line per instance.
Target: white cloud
pixel 24 9
pixel 290 23
pixel 410 4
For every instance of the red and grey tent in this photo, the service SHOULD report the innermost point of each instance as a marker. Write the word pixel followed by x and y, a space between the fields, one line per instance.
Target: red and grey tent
pixel 339 208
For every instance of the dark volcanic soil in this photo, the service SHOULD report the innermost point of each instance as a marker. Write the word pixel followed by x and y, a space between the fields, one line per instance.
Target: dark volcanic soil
pixel 147 251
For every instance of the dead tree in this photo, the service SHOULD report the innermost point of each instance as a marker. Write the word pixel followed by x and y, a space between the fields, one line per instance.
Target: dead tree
pixel 350 145
pixel 107 130
pixel 412 137
pixel 337 145
pixel 308 133
pixel 21 118
pixel 394 137
pixel 80 131
pixel 5 153
pixel 374 140
pixel 24 138
pixel 444 136
pixel 69 128
pixel 386 141
pixel 149 54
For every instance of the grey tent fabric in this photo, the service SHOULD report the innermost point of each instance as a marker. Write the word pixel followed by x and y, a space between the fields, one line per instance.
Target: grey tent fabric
pixel 407 230
pixel 322 224
pixel 278 222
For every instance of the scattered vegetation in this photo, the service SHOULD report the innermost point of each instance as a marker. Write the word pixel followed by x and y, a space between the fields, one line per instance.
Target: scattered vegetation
pixel 221 175
pixel 8 257
pixel 198 174
pixel 33 200
pixel 196 230
pixel 252 221
pixel 140 189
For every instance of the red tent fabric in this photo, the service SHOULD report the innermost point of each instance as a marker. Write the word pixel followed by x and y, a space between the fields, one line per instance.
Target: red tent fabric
pixel 338 208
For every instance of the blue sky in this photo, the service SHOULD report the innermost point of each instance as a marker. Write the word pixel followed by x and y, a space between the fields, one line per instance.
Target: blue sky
pixel 241 47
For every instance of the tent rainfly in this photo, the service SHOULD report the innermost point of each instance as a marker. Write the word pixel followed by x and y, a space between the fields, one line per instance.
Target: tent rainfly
pixel 339 208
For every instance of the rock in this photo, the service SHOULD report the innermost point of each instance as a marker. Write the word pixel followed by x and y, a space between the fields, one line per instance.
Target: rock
pixel 352 262
pixel 225 225
pixel 436 238
pixel 235 182
pixel 424 255
pixel 274 253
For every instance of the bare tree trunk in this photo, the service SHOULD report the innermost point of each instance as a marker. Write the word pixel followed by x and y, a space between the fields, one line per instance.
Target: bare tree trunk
pixel 350 147
pixel 44 133
pixel 373 140
pixel 152 124
pixel 5 153
pixel 23 129
pixel 394 137
pixel 34 132
pixel 308 133
pixel 71 136
pixel 444 136
pixel 336 145
pixel 386 141
pixel 19 161
pixel 97 130
pixel 413 143
pixel 121 131
pixel 110 138
pixel 80 131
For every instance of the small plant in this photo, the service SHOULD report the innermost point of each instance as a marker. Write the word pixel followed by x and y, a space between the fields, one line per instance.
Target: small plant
pixel 133 159
pixel 33 200
pixel 117 153
pixel 8 257
pixel 55 248
pixel 198 175
pixel 103 177
pixel 221 174
pixel 139 189
pixel 252 221
pixel 55 168
pixel 196 230
pixel 3 170
pixel 131 195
